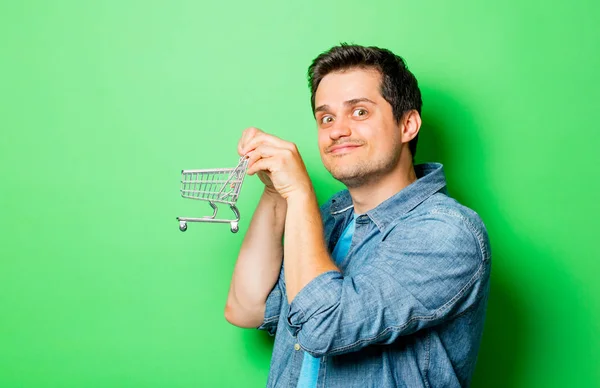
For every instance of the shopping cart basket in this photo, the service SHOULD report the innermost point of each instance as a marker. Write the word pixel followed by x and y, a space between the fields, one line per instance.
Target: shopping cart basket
pixel 221 185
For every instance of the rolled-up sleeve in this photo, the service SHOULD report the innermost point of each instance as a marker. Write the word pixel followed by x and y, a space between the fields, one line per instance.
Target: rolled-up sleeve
pixel 273 308
pixel 414 279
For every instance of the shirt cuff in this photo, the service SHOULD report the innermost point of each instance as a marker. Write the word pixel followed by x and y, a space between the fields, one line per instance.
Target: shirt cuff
pixel 319 294
pixel 272 311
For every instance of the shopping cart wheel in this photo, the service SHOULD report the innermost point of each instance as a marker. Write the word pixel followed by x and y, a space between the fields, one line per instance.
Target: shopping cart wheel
pixel 234 227
pixel 182 226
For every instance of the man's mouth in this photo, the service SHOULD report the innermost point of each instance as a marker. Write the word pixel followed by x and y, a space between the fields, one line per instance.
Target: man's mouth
pixel 343 148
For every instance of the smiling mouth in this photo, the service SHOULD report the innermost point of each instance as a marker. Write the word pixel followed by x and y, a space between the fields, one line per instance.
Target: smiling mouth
pixel 343 149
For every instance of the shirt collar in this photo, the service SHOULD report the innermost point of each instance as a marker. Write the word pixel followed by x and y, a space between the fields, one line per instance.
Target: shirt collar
pixel 430 180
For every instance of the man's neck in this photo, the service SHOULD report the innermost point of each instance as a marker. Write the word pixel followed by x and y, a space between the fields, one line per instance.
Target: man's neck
pixel 370 195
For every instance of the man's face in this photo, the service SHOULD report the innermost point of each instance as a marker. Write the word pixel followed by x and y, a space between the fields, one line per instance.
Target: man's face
pixel 359 139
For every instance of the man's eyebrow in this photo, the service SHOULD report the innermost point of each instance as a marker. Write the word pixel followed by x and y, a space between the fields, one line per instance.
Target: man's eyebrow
pixel 354 101
pixel 322 108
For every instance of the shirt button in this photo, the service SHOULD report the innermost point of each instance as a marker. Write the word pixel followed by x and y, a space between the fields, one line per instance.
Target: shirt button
pixel 297 347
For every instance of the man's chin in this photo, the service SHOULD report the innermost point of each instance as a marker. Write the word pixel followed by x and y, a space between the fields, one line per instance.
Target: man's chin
pixel 349 178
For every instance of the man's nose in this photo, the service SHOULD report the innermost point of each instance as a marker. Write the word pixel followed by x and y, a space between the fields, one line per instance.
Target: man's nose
pixel 340 128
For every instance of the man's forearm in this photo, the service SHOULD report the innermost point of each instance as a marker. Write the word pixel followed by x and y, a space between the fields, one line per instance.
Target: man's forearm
pixel 306 255
pixel 258 264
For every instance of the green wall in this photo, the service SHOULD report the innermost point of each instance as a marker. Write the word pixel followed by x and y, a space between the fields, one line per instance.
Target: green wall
pixel 103 104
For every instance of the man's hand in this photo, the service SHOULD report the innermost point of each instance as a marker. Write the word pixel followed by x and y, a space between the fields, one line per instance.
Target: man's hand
pixel 280 166
pixel 277 162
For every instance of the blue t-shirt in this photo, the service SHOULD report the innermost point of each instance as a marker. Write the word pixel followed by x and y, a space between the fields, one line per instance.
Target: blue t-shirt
pixel 310 365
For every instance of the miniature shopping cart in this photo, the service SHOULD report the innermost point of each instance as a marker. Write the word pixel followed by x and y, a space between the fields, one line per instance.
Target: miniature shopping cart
pixel 220 185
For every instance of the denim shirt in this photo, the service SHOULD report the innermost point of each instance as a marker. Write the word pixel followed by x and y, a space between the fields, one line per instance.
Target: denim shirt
pixel 407 308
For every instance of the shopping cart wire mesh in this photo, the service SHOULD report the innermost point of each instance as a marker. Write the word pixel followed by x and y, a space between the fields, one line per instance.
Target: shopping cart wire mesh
pixel 221 185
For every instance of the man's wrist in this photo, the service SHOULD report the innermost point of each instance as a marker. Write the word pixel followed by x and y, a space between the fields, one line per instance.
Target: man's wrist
pixel 302 197
pixel 272 196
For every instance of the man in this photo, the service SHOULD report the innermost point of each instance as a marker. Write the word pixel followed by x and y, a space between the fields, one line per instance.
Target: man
pixel 386 285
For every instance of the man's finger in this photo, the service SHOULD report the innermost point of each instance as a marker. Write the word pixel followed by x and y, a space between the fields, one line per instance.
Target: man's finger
pixel 246 134
pixel 262 151
pixel 263 164
pixel 263 139
pixel 253 156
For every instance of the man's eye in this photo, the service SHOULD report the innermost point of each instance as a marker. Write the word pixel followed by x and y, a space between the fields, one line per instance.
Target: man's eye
pixel 326 119
pixel 359 112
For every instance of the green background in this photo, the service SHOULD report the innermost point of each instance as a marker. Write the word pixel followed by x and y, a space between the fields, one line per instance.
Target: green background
pixel 103 103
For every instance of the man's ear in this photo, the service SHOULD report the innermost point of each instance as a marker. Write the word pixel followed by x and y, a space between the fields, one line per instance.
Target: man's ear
pixel 410 125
